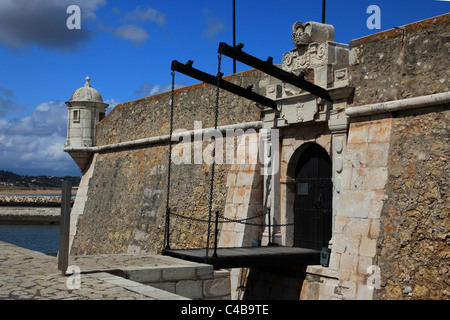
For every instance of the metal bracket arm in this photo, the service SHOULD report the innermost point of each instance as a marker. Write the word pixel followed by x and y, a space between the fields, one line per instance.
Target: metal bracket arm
pixel 270 69
pixel 188 70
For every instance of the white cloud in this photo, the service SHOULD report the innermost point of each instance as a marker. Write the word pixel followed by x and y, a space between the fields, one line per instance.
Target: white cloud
pixel 133 33
pixel 213 25
pixel 35 143
pixel 43 107
pixel 144 13
pixel 147 89
pixel 132 23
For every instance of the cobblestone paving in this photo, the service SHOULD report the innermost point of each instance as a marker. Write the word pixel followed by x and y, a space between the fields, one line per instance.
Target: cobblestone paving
pixel 26 274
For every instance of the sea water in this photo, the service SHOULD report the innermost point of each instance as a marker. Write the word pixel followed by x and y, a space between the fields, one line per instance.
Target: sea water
pixel 42 238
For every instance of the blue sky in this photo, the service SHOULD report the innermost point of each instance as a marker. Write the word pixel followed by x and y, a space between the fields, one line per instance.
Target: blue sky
pixel 126 48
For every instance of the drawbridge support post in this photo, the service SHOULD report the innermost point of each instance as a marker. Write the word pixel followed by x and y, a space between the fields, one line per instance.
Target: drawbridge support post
pixel 167 231
pixel 270 227
pixel 216 231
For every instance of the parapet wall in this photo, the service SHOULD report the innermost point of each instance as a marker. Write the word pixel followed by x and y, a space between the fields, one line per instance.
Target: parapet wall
pixel 149 117
pixel 401 63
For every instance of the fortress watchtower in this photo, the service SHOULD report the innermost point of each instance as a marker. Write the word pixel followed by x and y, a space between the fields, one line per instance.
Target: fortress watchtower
pixel 85 110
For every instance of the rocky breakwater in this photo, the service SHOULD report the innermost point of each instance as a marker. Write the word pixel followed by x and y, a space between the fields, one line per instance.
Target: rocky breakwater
pixel 17 209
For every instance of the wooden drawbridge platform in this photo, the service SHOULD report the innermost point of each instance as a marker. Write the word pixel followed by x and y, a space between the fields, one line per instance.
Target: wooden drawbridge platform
pixel 270 256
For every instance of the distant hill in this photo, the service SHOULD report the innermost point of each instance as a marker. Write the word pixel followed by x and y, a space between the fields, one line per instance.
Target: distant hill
pixel 10 179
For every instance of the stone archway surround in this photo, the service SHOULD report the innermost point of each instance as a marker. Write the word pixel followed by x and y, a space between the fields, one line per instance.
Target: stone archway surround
pixel 291 150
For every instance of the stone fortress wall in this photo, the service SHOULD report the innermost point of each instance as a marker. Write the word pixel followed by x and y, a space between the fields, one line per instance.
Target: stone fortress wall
pixel 387 135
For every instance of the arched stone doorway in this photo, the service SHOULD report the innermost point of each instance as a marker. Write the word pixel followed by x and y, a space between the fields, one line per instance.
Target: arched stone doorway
pixel 313 198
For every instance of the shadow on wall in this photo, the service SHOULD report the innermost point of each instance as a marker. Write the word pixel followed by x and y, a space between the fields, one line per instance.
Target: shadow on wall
pixel 274 283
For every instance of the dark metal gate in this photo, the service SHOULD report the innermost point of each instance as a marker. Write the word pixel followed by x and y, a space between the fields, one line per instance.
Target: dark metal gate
pixel 313 199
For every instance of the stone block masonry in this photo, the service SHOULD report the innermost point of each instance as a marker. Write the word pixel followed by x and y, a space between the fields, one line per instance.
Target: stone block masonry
pixel 244 199
pixel 413 249
pixel 357 222
pixel 194 282
pixel 407 225
pixel 183 278
pixel 393 175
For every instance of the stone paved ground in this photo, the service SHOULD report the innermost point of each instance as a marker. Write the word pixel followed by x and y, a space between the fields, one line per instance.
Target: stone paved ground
pixel 26 274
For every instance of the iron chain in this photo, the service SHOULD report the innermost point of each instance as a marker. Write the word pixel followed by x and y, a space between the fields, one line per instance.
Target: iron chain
pixel 170 140
pixel 216 116
pixel 229 220
pixel 169 165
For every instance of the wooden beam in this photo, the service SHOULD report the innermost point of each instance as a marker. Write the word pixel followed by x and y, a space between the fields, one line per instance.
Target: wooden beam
pixel 188 70
pixel 270 69
pixel 64 227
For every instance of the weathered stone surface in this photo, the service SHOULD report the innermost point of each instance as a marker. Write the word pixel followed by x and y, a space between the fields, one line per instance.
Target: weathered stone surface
pixel 414 242
pixel 387 66
pixel 190 288
pixel 150 116
pixel 217 287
